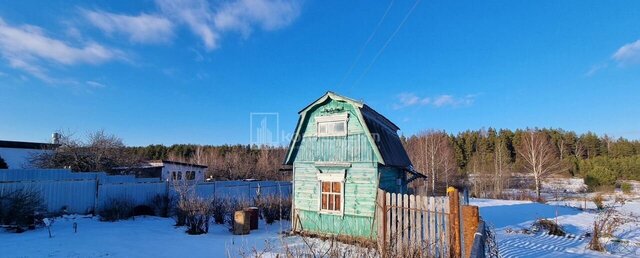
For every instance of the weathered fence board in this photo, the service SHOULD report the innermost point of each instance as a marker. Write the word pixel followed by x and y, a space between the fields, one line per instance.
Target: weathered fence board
pixel 410 224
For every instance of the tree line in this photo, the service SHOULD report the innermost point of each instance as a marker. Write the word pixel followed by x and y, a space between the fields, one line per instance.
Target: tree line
pixel 100 151
pixel 489 158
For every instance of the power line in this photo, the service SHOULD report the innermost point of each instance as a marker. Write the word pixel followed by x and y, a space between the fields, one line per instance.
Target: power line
pixel 366 43
pixel 366 71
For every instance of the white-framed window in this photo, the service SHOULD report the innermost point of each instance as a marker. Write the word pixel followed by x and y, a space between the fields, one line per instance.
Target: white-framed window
pixel 331 196
pixel 335 125
pixel 331 181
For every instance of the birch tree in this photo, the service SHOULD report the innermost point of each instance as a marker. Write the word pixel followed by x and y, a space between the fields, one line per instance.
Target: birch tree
pixel 439 156
pixel 539 155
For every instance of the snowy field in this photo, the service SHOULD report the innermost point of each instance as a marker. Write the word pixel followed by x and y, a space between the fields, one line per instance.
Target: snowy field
pixel 157 237
pixel 509 218
pixel 142 237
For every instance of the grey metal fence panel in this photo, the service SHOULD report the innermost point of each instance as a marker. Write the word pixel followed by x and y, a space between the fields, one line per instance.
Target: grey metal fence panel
pixel 82 192
pixel 138 193
pixel 77 196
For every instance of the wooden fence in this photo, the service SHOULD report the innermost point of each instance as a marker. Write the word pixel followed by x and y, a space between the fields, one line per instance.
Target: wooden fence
pixel 413 225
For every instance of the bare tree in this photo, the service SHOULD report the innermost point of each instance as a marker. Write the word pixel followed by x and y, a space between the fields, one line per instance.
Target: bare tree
pixel 539 155
pixel 501 167
pixel 100 152
pixel 439 156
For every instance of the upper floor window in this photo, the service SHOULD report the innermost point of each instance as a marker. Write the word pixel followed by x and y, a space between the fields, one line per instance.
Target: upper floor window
pixel 335 125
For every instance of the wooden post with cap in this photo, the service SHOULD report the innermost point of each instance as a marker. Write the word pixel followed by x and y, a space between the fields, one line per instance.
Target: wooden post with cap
pixel 455 248
pixel 471 218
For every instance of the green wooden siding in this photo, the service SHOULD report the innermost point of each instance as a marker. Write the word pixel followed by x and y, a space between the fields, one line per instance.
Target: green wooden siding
pixel 352 148
pixel 361 181
pixel 359 189
pixel 339 225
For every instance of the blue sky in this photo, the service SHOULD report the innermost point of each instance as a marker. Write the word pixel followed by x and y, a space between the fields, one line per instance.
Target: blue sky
pixel 192 71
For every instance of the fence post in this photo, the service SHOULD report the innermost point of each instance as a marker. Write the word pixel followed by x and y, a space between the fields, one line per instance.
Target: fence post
pixel 454 223
pixel 471 217
pixel 384 220
pixel 96 199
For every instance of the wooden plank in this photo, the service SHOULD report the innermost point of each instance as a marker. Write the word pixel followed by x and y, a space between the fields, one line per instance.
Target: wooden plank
pixel 401 224
pixel 443 228
pixel 411 222
pixel 425 225
pixel 394 222
pixel 379 217
pixel 388 217
pixel 432 225
pixel 417 241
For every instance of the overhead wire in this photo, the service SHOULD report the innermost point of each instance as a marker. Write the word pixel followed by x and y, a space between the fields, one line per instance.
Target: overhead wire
pixel 366 43
pixel 375 58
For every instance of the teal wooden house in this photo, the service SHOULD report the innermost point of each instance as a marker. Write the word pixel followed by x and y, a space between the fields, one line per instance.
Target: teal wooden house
pixel 342 152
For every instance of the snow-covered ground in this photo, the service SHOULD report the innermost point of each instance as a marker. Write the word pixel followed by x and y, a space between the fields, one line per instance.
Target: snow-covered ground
pixel 142 237
pixel 509 218
pixel 157 237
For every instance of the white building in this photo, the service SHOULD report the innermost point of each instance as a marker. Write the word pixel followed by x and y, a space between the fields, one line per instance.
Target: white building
pixel 17 154
pixel 179 171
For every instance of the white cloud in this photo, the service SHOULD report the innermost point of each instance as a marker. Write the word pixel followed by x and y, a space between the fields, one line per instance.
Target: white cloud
pixel 411 99
pixel 95 84
pixel 596 68
pixel 628 54
pixel 269 15
pixel 143 28
pixel 27 48
pixel 209 22
pixel 196 14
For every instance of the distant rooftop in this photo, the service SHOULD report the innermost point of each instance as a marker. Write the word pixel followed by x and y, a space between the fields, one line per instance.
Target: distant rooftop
pixel 176 163
pixel 28 145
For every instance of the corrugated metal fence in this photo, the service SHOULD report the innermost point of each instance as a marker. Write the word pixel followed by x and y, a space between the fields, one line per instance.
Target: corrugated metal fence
pixel 84 192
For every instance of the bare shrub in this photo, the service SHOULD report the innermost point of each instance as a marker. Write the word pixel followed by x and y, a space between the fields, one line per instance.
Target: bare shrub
pixel 598 200
pixel 21 208
pixel 197 214
pixel 550 227
pixel 318 245
pixel 161 205
pixel 274 208
pixel 219 209
pixel 608 222
pixel 117 209
pixel 191 210
pixel 143 210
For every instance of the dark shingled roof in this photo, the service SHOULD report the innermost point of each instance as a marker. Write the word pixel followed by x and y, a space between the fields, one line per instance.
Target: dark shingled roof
pixel 385 136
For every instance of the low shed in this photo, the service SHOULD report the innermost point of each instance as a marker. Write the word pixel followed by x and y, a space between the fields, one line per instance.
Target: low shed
pixel 342 152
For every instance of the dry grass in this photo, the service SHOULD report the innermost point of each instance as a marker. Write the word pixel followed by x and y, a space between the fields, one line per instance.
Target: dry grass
pixel 608 222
